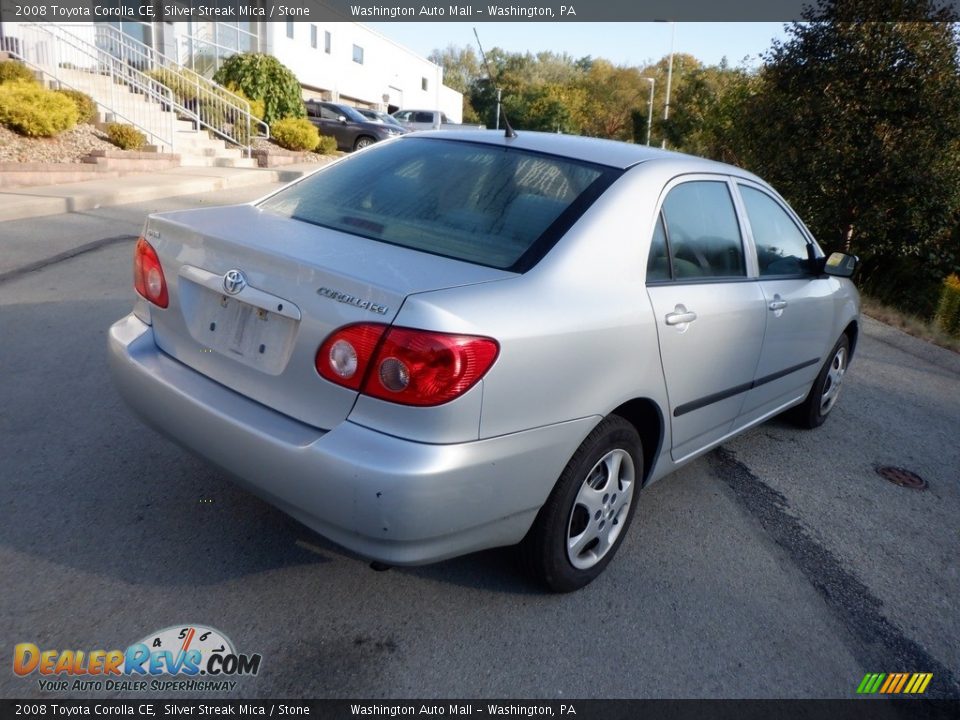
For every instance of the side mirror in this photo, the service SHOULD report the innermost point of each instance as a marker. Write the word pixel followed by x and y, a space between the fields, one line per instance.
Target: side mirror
pixel 840 265
pixel 342 118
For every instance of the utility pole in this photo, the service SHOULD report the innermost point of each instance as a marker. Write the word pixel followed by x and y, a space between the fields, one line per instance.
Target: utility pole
pixel 497 127
pixel 650 108
pixel 666 106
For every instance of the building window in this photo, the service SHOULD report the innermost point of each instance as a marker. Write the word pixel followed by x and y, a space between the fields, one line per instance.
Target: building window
pixel 290 29
pixel 358 54
pixel 327 41
pixel 424 84
pixel 208 44
pixel 313 36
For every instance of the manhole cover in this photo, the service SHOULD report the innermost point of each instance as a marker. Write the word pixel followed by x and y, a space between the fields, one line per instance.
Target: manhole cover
pixel 901 476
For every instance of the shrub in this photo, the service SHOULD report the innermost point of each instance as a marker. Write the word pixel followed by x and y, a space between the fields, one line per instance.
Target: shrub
pixel 11 70
pixel 182 84
pixel 257 108
pixel 263 77
pixel 184 87
pixel 239 123
pixel 295 134
pixel 327 145
pixel 86 107
pixel 948 311
pixel 32 110
pixel 126 137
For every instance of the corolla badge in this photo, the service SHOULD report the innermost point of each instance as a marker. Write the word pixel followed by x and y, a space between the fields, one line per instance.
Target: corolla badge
pixel 349 299
pixel 234 281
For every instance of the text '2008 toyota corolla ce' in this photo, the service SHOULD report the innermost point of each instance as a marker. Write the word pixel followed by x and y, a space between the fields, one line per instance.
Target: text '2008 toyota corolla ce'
pixel 458 340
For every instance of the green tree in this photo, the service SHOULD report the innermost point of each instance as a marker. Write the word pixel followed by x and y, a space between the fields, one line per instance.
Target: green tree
pixel 263 77
pixel 540 92
pixel 707 110
pixel 614 93
pixel 858 124
pixel 683 66
pixel 461 69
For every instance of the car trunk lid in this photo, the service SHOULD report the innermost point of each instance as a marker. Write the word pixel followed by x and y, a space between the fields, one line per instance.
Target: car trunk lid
pixel 253 295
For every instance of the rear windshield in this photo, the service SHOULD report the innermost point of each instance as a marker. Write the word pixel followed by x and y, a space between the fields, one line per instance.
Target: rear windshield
pixel 484 204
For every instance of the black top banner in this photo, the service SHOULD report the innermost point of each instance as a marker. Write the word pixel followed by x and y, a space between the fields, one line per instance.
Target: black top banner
pixel 405 11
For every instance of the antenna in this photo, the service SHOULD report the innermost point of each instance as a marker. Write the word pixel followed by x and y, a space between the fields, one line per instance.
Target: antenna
pixel 508 131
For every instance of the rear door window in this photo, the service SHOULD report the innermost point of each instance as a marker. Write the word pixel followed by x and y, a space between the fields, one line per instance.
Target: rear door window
pixel 484 204
pixel 702 231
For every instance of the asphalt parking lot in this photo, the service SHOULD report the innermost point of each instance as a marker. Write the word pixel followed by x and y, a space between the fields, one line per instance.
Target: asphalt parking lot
pixel 780 565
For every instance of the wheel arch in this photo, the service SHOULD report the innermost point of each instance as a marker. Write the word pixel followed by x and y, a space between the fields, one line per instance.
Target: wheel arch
pixel 645 415
pixel 852 331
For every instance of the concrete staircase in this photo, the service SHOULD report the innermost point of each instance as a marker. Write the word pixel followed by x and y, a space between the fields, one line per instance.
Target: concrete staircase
pixel 195 147
pixel 198 149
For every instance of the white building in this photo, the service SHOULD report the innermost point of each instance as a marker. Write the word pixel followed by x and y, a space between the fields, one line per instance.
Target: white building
pixel 338 61
pixel 350 63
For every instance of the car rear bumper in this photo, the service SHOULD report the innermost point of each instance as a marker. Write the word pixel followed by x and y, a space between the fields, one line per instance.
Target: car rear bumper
pixel 383 497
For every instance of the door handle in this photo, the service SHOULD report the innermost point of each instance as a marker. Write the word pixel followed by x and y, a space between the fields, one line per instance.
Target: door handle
pixel 680 316
pixel 777 304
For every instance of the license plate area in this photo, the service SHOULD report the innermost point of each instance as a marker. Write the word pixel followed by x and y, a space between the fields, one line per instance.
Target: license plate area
pixel 249 334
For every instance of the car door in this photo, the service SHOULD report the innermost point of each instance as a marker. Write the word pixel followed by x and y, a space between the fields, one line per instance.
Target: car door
pixel 799 303
pixel 331 124
pixel 710 314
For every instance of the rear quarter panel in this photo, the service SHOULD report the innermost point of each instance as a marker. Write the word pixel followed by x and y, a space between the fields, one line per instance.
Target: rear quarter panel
pixel 577 335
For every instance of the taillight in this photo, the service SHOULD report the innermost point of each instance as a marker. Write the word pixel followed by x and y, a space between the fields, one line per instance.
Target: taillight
pixel 148 277
pixel 403 365
pixel 344 356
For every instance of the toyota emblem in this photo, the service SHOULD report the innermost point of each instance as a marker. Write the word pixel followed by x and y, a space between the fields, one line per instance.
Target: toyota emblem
pixel 234 281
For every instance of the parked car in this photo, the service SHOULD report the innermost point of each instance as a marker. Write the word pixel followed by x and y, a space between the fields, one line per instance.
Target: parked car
pixel 430 120
pixel 380 117
pixel 351 129
pixel 455 341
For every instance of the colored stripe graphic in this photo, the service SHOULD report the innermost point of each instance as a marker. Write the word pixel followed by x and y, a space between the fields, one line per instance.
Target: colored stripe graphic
pixel 903 680
pixel 894 683
pixel 891 681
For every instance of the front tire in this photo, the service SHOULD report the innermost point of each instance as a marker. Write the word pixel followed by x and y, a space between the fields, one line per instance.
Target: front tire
pixel 813 412
pixel 580 527
pixel 362 142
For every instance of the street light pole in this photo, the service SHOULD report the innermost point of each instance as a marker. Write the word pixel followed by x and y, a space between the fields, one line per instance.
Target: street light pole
pixel 650 108
pixel 666 106
pixel 497 126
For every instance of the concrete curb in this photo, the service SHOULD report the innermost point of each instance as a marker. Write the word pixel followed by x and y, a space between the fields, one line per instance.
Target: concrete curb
pixel 38 201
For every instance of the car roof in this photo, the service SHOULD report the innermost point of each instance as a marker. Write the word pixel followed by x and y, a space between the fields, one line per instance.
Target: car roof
pixel 612 153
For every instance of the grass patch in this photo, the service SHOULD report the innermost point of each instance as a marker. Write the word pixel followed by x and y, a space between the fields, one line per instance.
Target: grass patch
pixel 910 324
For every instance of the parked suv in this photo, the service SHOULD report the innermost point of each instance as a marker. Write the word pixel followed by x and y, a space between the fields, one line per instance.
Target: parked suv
pixel 351 129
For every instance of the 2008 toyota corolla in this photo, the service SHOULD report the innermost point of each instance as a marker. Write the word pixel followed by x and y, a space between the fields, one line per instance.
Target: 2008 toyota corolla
pixel 459 340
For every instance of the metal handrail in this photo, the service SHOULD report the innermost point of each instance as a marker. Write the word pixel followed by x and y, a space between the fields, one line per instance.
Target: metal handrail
pixel 53 51
pixel 216 108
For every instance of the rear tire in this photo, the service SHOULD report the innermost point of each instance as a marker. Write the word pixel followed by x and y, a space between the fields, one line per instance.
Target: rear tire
pixel 580 527
pixel 813 412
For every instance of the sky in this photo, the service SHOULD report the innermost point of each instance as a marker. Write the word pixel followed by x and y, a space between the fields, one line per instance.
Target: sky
pixel 625 43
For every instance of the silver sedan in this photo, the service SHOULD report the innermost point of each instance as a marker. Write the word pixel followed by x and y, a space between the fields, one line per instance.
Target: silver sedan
pixel 458 340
